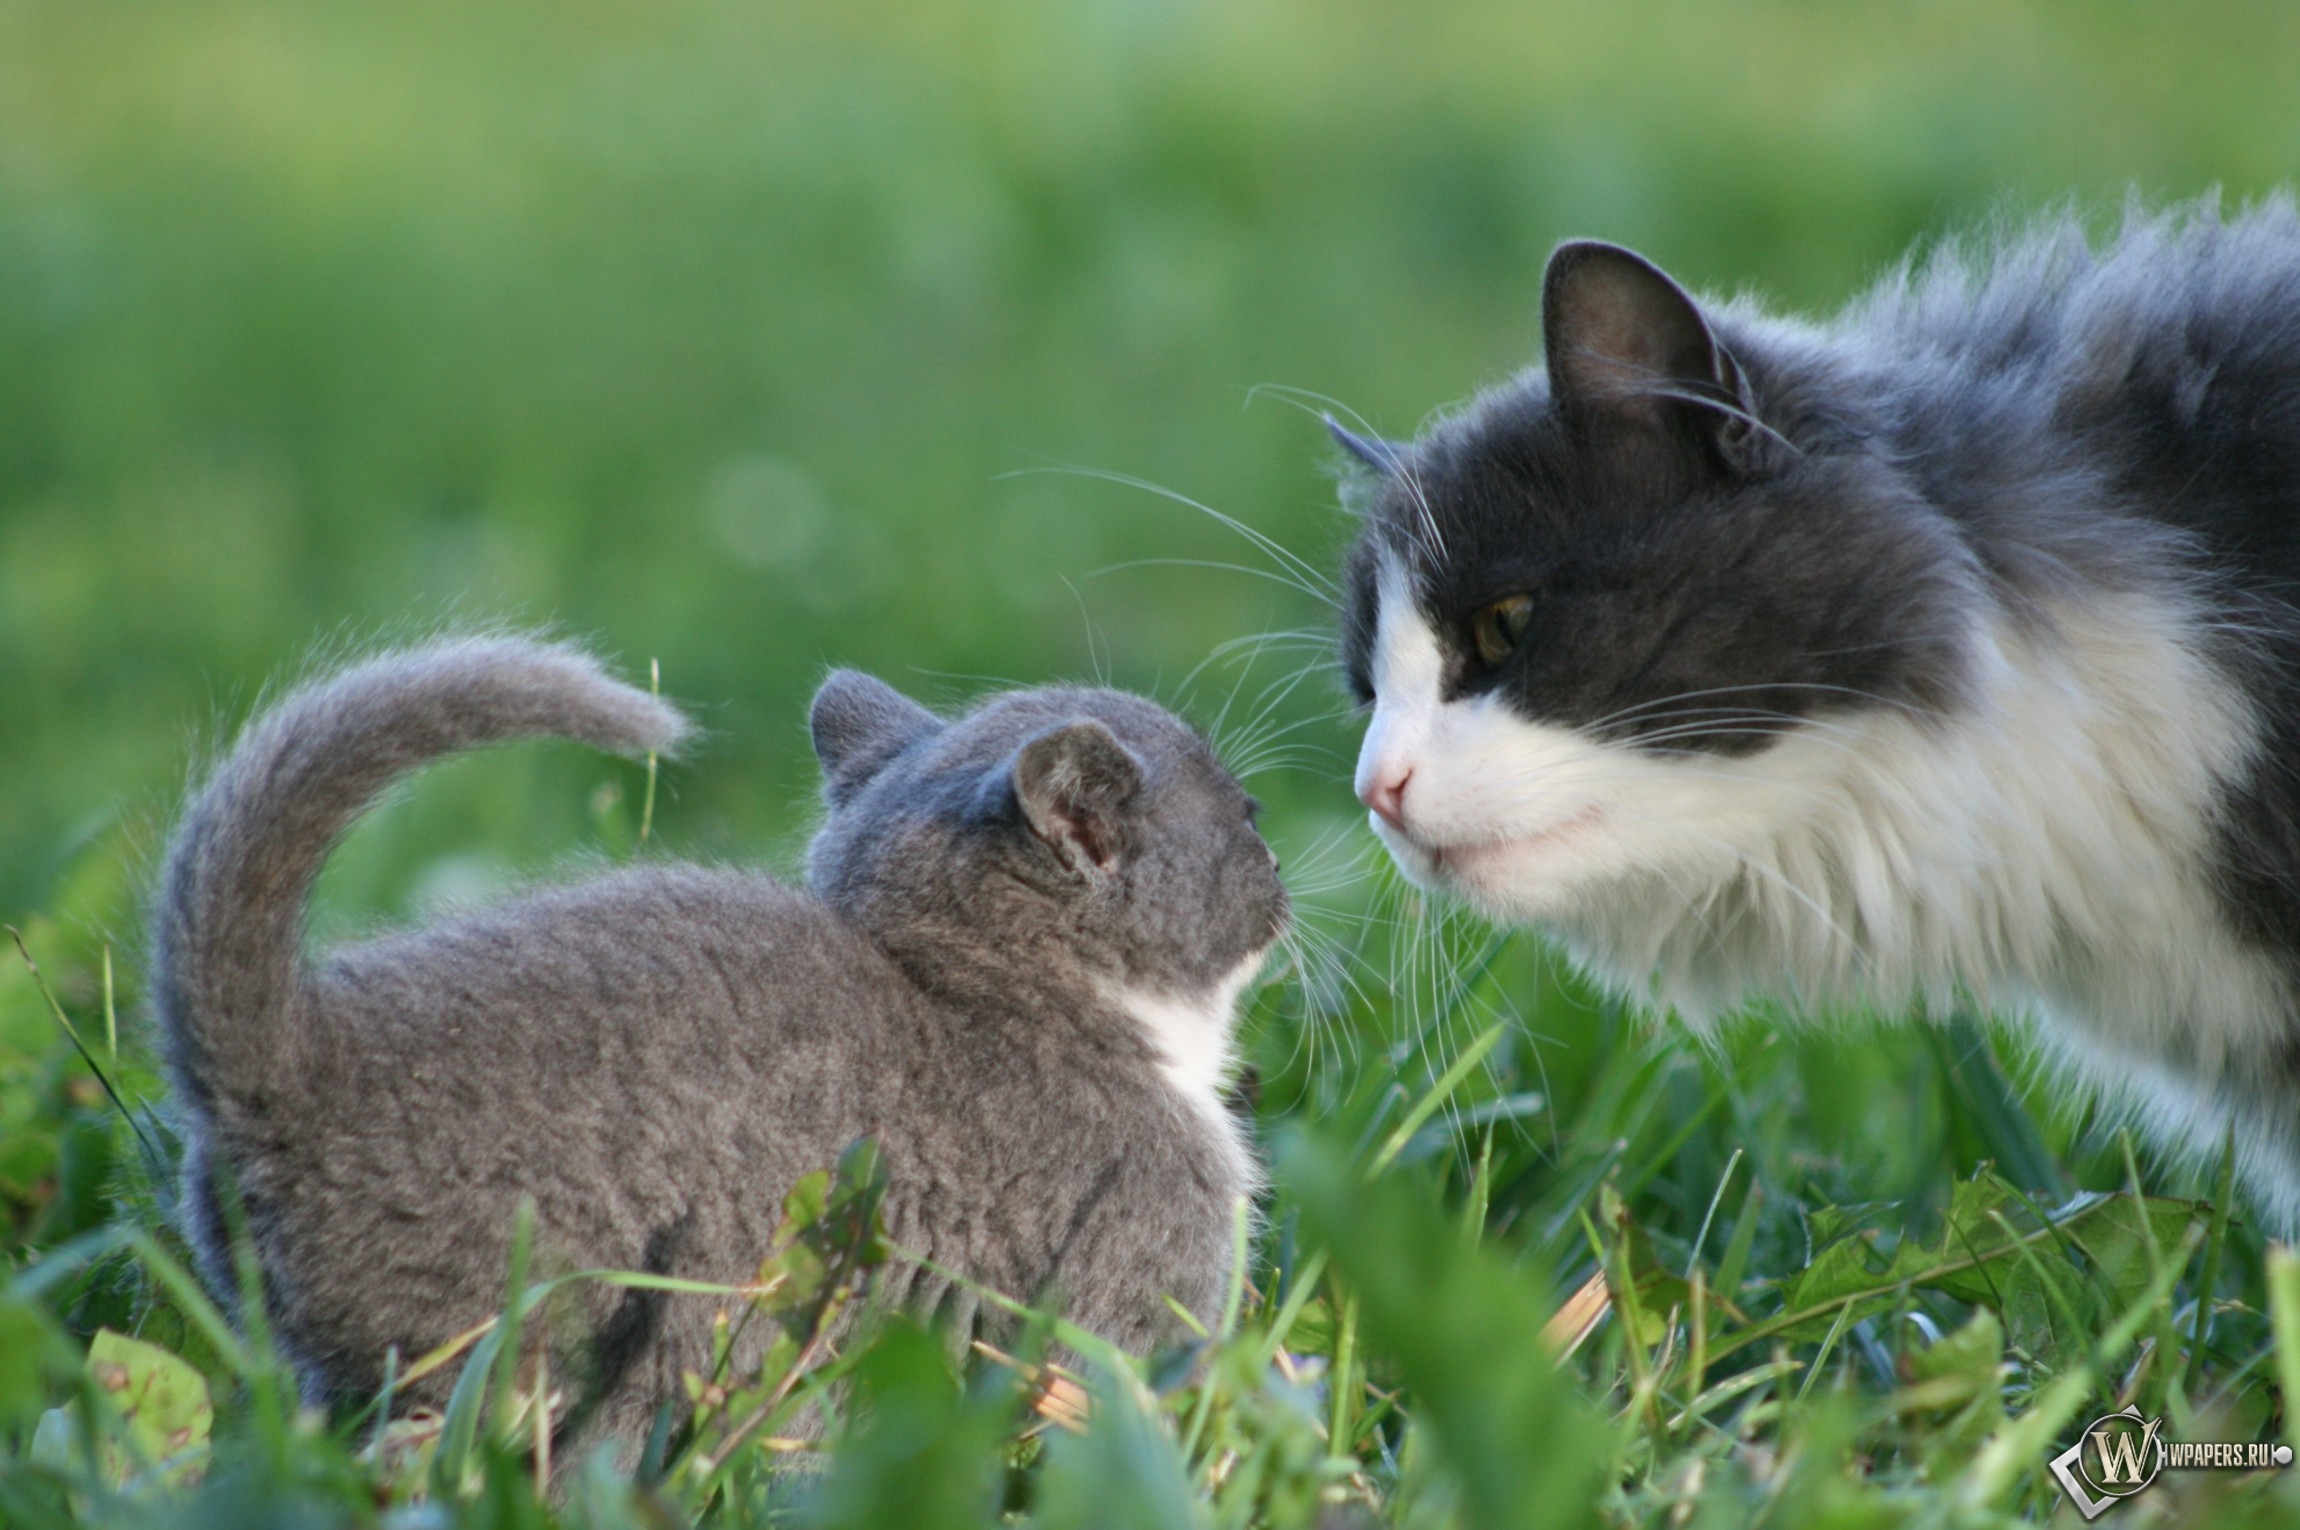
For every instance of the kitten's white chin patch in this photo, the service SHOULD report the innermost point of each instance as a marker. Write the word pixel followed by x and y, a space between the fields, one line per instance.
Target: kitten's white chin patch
pixel 1193 1036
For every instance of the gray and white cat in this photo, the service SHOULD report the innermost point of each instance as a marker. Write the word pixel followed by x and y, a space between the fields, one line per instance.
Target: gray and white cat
pixel 1945 649
pixel 1016 965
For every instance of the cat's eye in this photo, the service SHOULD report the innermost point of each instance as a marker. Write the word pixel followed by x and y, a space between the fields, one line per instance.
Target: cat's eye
pixel 1499 628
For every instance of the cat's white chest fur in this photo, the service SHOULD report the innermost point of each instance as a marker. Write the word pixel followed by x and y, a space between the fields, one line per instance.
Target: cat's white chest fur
pixel 2045 846
pixel 1194 1038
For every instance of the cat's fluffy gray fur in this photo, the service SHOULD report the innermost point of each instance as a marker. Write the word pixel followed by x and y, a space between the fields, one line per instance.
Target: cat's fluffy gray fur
pixel 1016 920
pixel 1942 650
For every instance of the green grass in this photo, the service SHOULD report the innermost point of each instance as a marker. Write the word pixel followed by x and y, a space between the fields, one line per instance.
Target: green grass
pixel 1771 1344
pixel 750 338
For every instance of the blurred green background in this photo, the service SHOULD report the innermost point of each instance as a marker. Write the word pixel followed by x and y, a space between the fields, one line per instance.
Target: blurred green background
pixel 737 336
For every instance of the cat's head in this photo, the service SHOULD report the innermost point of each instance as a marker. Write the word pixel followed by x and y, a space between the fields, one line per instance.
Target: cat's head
pixel 1627 611
pixel 1059 825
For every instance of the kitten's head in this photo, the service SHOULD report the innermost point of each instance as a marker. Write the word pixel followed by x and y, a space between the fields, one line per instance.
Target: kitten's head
pixel 1616 616
pixel 1056 825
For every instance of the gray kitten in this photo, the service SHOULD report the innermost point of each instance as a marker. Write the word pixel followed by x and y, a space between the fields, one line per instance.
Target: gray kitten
pixel 1016 965
pixel 1943 648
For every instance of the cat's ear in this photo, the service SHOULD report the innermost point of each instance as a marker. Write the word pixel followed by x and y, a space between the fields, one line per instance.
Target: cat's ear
pixel 1624 342
pixel 859 724
pixel 1073 784
pixel 1384 457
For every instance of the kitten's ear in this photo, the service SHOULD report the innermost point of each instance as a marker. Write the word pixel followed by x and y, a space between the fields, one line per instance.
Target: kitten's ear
pixel 859 724
pixel 1384 457
pixel 1073 784
pixel 1623 341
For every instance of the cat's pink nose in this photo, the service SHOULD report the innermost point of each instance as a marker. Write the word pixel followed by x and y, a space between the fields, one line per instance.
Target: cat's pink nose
pixel 1386 795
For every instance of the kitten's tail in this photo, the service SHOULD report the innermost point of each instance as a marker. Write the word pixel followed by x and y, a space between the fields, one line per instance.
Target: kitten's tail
pixel 228 981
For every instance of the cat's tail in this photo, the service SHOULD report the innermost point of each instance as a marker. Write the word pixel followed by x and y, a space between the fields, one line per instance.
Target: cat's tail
pixel 228 980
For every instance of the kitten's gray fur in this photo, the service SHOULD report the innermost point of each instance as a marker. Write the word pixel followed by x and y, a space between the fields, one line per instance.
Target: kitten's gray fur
pixel 655 1054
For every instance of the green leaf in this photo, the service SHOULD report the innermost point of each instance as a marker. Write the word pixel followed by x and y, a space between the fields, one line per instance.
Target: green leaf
pixel 1955 1396
pixel 1973 1353
pixel 2052 1279
pixel 923 1454
pixel 161 1412
pixel 830 1234
pixel 1123 1473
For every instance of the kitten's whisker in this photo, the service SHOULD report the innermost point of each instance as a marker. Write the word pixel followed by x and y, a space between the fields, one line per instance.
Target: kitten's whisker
pixel 1304 887
pixel 1332 961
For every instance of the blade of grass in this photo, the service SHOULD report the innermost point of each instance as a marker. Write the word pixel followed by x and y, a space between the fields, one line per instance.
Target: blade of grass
pixel 1735 1262
pixel 1427 1106
pixel 1473 1210
pixel 152 1156
pixel 66 1260
pixel 2208 1281
pixel 459 1428
pixel 1240 1234
pixel 647 803
pixel 541 1410
pixel 191 1298
pixel 1342 1401
pixel 1643 1174
pixel 1305 1284
pixel 1701 1238
pixel 1821 1356
pixel 2163 1374
pixel 2284 1316
pixel 1988 1102
pixel 506 1374
pixel 1697 1355
pixel 1578 1316
pixel 1734 1386
pixel 271 1410
pixel 381 1407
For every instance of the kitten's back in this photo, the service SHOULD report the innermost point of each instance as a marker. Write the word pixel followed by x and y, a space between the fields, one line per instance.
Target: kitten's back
pixel 652 1055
